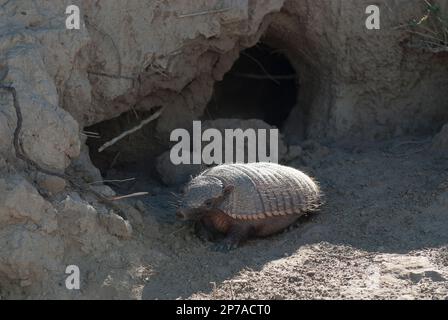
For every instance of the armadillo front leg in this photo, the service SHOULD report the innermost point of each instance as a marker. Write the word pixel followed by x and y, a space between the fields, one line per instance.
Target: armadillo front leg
pixel 206 232
pixel 236 235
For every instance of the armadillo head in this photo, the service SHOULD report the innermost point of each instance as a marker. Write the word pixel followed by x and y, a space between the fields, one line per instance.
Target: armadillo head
pixel 201 195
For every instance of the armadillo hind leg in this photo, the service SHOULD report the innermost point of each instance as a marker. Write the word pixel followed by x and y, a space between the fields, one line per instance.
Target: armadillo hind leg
pixel 237 235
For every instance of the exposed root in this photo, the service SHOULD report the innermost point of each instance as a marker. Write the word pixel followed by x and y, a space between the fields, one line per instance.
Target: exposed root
pixel 20 154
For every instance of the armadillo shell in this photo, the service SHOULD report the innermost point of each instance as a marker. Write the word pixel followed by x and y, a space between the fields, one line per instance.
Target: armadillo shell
pixel 264 190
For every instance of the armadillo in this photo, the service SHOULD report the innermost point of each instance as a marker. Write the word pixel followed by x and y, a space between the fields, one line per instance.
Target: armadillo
pixel 241 201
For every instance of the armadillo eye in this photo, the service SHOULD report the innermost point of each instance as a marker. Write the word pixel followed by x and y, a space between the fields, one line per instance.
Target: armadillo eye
pixel 208 203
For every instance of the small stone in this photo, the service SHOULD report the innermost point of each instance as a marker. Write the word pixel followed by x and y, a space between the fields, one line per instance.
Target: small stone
pixel 116 225
pixel 50 183
pixel 134 215
pixel 139 205
pixel 104 190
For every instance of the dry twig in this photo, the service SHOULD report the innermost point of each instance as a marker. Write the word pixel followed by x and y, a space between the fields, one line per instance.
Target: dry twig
pixel 133 195
pixel 130 131
pixel 260 65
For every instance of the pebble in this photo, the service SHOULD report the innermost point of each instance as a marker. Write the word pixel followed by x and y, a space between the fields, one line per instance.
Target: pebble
pixel 50 183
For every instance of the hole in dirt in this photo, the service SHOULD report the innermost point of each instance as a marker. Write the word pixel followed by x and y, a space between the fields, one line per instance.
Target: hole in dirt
pixel 262 84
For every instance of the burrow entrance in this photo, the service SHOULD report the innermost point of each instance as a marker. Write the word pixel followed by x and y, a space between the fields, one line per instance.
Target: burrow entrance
pixel 262 84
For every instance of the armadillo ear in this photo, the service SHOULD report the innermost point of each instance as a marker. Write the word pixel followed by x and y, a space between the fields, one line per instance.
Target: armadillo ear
pixel 228 190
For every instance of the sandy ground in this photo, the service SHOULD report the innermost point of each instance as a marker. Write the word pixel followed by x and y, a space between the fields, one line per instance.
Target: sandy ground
pixel 381 235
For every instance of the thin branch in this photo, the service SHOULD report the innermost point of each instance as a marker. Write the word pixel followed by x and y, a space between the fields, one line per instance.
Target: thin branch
pixel 424 35
pixel 261 67
pixel 115 159
pixel 178 230
pixel 107 181
pixel 128 132
pixel 91 133
pixel 138 194
pixel 90 136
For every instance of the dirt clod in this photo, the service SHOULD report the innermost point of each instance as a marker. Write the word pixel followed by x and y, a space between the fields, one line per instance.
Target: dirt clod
pixel 116 225
pixel 52 184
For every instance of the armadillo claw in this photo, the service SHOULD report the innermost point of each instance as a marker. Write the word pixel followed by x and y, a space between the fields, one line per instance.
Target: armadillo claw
pixel 224 247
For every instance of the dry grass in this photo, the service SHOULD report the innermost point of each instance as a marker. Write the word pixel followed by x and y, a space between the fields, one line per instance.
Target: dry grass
pixel 430 31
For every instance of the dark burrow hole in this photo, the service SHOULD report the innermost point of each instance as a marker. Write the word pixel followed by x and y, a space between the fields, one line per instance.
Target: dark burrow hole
pixel 262 84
